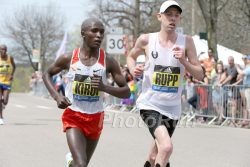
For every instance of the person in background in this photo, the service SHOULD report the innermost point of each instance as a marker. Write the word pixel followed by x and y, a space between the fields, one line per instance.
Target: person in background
pixel 217 93
pixel 209 64
pixel 7 70
pixel 230 83
pixel 33 83
pixel 131 84
pixel 202 92
pixel 244 74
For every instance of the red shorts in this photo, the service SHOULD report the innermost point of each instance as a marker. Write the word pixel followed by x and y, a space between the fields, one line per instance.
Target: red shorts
pixel 90 124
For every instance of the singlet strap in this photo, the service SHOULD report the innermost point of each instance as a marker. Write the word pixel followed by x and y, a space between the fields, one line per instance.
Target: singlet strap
pixel 101 60
pixel 75 56
pixel 102 57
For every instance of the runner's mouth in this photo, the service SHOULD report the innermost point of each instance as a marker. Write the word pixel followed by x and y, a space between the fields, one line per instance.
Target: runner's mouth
pixel 97 42
pixel 173 25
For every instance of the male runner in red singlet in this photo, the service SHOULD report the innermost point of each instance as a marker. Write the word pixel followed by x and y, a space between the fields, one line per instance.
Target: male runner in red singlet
pixel 7 69
pixel 87 68
pixel 168 55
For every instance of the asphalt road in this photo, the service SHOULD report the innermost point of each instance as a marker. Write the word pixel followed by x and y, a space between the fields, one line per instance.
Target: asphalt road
pixel 32 137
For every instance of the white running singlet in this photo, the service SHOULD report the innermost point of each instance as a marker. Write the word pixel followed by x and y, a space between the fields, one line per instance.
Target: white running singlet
pixel 83 97
pixel 162 79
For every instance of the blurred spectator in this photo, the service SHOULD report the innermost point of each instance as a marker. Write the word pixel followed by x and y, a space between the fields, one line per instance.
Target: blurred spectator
pixel 203 94
pixel 232 93
pixel 110 80
pixel 36 84
pixel 129 78
pixel 127 74
pixel 33 83
pixel 200 98
pixel 109 100
pixel 209 64
pixel 231 72
pixel 188 91
pixel 217 92
pixel 245 76
pixel 220 74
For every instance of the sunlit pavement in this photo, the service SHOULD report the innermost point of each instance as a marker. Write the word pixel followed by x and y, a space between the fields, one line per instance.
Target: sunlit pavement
pixel 32 137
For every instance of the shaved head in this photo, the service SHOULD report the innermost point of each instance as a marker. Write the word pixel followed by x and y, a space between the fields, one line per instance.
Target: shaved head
pixel 90 22
pixel 3 50
pixel 2 46
pixel 92 32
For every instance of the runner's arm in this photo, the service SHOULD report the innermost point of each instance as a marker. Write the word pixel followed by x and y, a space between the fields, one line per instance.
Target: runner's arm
pixel 139 48
pixel 62 63
pixel 123 90
pixel 192 65
pixel 13 66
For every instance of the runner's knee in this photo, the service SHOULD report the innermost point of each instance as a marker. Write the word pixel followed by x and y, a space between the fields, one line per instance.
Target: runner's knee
pixel 166 148
pixel 152 157
pixel 5 100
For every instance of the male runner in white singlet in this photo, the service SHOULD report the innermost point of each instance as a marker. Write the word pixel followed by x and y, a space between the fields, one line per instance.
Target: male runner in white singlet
pixel 168 55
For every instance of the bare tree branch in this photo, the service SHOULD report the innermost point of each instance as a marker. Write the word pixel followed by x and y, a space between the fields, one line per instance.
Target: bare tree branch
pixel 34 28
pixel 222 5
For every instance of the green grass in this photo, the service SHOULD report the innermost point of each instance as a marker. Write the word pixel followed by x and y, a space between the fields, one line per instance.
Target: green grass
pixel 21 79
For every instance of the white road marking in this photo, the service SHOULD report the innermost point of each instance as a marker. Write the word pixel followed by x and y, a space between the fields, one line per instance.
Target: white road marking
pixel 44 107
pixel 20 106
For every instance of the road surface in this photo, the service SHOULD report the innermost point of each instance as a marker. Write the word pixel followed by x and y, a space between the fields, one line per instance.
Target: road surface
pixel 32 137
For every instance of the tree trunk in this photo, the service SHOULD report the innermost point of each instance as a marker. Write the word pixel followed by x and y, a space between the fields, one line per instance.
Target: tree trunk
pixel 212 39
pixel 137 19
pixel 210 14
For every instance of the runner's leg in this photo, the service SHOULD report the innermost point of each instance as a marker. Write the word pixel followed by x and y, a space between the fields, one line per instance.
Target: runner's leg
pixel 6 96
pixel 91 145
pixel 1 101
pixel 152 155
pixel 164 145
pixel 80 146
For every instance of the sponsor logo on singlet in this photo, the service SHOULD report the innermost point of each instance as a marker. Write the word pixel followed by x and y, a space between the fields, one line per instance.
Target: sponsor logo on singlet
pixel 4 69
pixel 82 89
pixel 166 79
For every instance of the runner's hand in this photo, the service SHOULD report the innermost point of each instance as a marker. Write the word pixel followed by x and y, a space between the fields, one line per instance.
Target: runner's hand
pixel 179 53
pixel 11 78
pixel 96 82
pixel 138 70
pixel 62 102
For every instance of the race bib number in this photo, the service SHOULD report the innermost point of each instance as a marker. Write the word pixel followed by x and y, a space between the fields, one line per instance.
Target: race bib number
pixel 166 79
pixel 5 69
pixel 82 89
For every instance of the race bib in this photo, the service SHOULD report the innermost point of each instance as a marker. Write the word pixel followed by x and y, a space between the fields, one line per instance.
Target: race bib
pixel 166 79
pixel 5 69
pixel 82 89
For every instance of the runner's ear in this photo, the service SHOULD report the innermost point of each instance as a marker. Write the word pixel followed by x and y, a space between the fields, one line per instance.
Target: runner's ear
pixel 82 33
